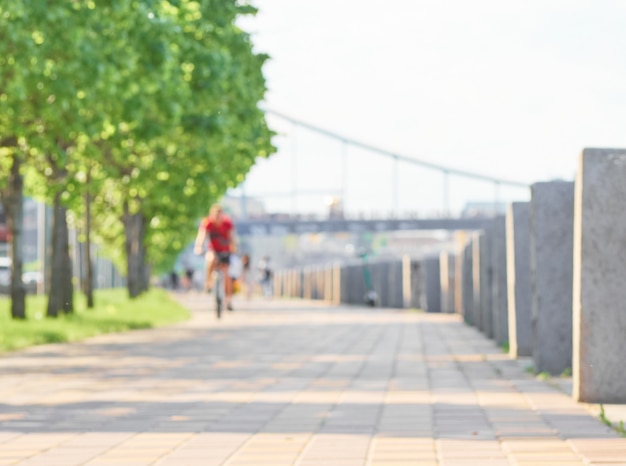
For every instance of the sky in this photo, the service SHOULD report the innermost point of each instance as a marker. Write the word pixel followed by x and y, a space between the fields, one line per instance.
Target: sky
pixel 513 90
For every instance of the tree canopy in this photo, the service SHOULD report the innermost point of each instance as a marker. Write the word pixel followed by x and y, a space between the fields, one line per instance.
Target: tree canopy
pixel 151 107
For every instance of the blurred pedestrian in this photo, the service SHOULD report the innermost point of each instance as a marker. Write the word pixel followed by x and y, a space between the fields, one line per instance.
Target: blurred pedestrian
pixel 265 268
pixel 245 275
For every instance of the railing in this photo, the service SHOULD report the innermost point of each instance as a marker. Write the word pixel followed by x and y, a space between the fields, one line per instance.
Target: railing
pixel 412 215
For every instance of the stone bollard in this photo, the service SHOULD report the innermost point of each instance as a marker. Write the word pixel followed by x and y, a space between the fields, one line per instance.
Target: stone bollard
pixel 599 290
pixel 479 277
pixel 459 265
pixel 328 284
pixel 467 279
pixel 518 278
pixel 395 281
pixel 406 282
pixel 417 284
pixel 447 270
pixel 432 285
pixel 486 282
pixel 459 258
pixel 321 282
pixel 307 283
pixel 344 273
pixel 336 285
pixel 500 313
pixel 380 282
pixel 551 265
pixel 299 284
pixel 278 284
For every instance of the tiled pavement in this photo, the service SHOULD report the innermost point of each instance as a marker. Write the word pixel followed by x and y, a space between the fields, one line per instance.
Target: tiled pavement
pixel 291 383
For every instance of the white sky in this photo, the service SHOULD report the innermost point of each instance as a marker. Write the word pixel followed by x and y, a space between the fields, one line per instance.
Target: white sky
pixel 512 89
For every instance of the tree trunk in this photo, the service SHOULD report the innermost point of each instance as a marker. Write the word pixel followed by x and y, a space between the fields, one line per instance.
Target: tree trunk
pixel 60 297
pixel 88 285
pixel 13 202
pixel 134 228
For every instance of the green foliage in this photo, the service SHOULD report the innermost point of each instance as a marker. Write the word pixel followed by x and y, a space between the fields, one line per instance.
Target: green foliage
pixel 114 312
pixel 149 104
pixel 618 427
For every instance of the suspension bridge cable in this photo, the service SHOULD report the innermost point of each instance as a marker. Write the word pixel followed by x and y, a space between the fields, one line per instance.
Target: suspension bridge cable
pixel 393 155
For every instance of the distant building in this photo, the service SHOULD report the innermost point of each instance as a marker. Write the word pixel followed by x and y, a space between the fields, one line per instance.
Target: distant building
pixel 241 208
pixel 483 209
pixel 335 208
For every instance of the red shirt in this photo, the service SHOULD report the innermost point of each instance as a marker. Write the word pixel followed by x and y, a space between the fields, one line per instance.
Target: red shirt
pixel 219 234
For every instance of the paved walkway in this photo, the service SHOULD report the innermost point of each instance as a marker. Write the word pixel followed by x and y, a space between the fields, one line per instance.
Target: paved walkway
pixel 291 383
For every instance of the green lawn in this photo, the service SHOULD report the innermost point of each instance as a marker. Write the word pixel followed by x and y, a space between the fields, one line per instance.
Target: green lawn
pixel 114 312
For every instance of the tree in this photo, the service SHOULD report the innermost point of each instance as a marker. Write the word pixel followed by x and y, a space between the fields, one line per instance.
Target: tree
pixel 11 196
pixel 143 112
pixel 199 133
pixel 18 58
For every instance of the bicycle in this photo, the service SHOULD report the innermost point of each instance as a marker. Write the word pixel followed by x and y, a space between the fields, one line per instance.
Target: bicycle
pixel 219 286
pixel 220 293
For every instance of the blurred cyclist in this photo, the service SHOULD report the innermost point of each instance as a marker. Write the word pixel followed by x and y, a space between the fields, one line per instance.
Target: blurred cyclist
pixel 219 228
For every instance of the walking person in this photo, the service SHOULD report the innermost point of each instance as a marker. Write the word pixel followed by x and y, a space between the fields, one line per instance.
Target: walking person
pixel 246 280
pixel 188 277
pixel 266 276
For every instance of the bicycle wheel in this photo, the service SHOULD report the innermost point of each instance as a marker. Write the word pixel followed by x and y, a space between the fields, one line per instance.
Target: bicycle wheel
pixel 219 295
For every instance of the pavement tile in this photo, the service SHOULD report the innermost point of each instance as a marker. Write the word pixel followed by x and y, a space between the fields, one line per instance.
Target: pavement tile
pixel 291 383
pixel 475 462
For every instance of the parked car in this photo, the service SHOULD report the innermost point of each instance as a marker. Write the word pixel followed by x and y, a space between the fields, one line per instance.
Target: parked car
pixel 5 274
pixel 31 280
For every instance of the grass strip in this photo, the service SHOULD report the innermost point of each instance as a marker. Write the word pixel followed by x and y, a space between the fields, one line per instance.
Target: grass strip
pixel 113 312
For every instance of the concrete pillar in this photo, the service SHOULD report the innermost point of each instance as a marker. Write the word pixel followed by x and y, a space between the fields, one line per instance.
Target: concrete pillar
pixel 447 270
pixel 380 282
pixel 395 280
pixel 459 258
pixel 477 284
pixel 518 278
pixel 551 256
pixel 294 284
pixel 406 282
pixel 460 241
pixel 321 282
pixel 307 283
pixel 277 284
pixel 432 285
pixel 468 284
pixel 417 285
pixel 313 279
pixel 347 284
pixel 328 281
pixel 310 273
pixel 336 285
pixel 486 281
pixel 486 273
pixel 301 283
pixel 499 297
pixel 599 324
